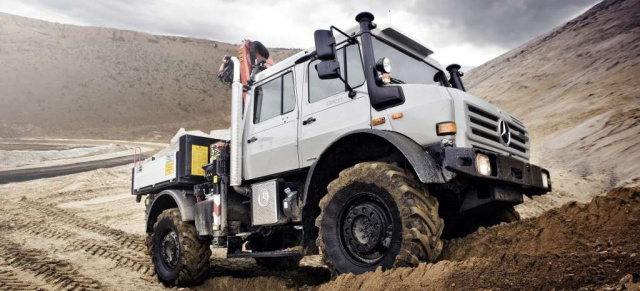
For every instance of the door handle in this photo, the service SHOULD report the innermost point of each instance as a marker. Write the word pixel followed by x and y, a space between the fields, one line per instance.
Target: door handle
pixel 252 139
pixel 309 120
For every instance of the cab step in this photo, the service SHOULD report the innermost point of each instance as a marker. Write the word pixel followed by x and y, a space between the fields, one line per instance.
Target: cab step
pixel 273 254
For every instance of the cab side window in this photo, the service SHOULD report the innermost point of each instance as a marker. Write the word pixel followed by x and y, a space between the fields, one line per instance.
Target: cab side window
pixel 274 98
pixel 351 71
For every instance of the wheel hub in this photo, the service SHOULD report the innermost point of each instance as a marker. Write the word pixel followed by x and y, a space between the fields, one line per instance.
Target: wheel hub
pixel 170 249
pixel 366 230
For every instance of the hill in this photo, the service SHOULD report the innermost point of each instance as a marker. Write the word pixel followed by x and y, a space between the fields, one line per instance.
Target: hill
pixel 578 90
pixel 61 80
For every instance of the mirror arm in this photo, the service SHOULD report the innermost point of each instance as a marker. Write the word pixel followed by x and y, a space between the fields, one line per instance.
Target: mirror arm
pixel 351 38
pixel 351 92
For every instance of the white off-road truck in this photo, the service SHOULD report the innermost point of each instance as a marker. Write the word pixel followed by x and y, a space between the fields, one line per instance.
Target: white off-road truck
pixel 361 149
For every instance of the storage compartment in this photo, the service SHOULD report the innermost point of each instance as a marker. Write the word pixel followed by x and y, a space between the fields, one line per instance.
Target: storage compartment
pixel 179 165
pixel 265 203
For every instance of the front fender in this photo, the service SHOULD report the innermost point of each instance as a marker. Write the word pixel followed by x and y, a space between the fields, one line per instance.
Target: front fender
pixel 422 163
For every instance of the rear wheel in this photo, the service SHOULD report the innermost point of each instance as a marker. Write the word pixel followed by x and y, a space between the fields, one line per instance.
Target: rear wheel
pixel 180 258
pixel 377 215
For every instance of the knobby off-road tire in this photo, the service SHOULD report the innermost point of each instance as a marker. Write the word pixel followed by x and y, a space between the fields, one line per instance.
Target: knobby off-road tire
pixel 148 242
pixel 179 257
pixel 465 225
pixel 510 214
pixel 272 241
pixel 376 214
pixel 506 214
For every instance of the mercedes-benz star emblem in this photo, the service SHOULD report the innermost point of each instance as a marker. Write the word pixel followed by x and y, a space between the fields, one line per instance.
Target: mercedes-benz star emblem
pixel 505 133
pixel 263 198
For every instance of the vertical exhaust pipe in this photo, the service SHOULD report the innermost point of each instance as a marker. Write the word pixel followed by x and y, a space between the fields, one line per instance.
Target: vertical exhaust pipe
pixel 236 126
pixel 454 72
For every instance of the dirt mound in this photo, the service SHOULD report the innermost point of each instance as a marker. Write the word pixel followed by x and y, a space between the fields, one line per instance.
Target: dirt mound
pixel 576 246
pixel 577 88
pixel 578 91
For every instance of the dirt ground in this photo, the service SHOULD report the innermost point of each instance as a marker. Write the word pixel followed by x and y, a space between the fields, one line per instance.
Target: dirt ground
pixel 86 231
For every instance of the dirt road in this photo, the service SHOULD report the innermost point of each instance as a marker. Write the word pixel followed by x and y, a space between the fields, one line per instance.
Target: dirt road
pixel 70 166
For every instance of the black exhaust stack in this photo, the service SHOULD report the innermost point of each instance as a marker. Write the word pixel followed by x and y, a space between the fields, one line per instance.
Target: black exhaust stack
pixel 454 72
pixel 381 96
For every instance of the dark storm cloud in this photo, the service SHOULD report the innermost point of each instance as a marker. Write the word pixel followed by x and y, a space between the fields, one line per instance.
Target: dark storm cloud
pixel 480 23
pixel 506 23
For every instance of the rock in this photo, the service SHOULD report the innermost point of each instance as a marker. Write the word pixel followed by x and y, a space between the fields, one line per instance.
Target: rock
pixel 626 279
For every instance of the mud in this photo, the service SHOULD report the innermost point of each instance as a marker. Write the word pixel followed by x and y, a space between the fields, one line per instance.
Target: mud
pixel 578 246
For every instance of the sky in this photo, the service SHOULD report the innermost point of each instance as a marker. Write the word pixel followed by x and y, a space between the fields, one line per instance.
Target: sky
pixel 467 32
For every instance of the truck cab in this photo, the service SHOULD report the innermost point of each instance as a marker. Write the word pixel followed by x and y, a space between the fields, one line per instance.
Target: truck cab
pixel 360 149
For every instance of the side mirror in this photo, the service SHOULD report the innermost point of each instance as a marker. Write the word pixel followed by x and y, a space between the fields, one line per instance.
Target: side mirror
pixel 325 44
pixel 328 68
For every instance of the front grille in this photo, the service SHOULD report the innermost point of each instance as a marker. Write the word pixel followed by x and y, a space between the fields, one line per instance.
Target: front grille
pixel 517 121
pixel 484 127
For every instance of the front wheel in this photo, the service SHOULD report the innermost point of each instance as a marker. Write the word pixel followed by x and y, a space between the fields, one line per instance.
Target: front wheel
pixel 179 256
pixel 377 215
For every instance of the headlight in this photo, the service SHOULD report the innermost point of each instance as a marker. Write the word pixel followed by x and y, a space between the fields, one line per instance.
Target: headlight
pixel 383 65
pixel 483 164
pixel 545 180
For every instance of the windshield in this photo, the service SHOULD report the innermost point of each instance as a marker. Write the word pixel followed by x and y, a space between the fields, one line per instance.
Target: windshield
pixel 405 69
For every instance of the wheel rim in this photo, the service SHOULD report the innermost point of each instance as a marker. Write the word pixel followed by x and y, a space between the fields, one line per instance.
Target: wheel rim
pixel 365 229
pixel 170 249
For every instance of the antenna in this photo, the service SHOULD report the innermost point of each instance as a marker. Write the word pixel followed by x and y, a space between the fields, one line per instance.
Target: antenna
pixel 389 17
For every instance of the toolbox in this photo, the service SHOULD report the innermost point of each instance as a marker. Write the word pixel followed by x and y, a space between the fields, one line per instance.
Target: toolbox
pixel 181 164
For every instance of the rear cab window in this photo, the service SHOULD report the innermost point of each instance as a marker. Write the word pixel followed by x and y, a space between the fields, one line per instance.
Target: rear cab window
pixel 274 98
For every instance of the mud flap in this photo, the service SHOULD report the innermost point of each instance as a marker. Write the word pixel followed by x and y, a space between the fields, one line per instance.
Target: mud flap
pixel 204 217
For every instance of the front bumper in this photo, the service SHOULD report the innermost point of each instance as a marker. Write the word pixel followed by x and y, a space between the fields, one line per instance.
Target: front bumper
pixel 505 169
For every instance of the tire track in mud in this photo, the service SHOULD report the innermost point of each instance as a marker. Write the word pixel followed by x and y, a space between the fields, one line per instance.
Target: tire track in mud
pixel 136 261
pixel 58 273
pixel 132 257
pixel 43 231
pixel 105 251
pixel 126 240
pixel 9 281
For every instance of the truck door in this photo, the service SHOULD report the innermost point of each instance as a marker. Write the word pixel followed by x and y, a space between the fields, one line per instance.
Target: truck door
pixel 272 141
pixel 327 110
